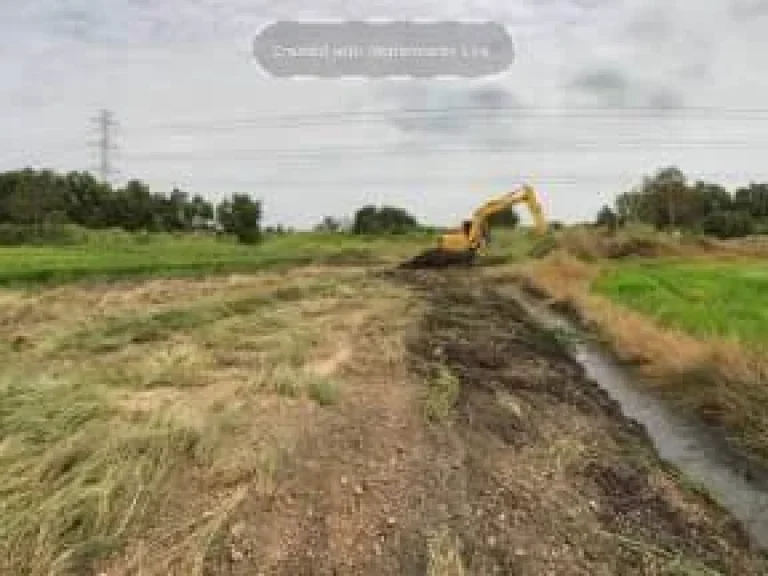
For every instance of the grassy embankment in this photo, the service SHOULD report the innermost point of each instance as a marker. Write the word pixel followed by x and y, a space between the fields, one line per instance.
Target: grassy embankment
pixel 694 318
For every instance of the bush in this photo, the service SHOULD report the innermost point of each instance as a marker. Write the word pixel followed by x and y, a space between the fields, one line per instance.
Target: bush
pixel 241 216
pixel 607 218
pixel 13 235
pixel 383 220
pixel 442 395
pixel 58 234
pixel 324 391
pixel 729 224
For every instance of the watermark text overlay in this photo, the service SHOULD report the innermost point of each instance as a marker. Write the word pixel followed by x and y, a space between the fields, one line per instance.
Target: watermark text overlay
pixel 416 49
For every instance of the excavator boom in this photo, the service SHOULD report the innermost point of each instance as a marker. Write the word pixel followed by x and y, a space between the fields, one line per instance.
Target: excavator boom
pixel 525 195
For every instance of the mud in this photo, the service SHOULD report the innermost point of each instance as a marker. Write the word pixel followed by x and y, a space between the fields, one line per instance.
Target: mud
pixel 437 258
pixel 537 472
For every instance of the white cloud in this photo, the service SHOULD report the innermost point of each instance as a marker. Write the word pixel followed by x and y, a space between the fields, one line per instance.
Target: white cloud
pixel 195 110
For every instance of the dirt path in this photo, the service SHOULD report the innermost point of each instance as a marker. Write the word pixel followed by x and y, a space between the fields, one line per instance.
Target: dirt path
pixel 534 472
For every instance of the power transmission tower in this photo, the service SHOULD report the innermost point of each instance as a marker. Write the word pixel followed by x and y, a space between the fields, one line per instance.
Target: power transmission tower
pixel 106 123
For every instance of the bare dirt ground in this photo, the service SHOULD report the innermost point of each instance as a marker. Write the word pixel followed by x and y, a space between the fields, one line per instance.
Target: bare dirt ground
pixel 535 472
pixel 321 422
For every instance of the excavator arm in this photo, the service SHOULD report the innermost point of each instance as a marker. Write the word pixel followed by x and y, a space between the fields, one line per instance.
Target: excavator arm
pixel 525 195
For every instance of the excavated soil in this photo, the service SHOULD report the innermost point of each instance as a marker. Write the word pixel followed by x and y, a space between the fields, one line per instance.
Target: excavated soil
pixel 535 472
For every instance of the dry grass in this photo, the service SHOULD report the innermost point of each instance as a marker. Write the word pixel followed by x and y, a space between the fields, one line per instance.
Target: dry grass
pixel 592 244
pixel 444 557
pixel 136 417
pixel 749 246
pixel 719 379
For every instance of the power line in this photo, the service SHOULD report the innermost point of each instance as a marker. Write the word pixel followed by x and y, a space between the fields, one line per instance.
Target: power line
pixel 554 146
pixel 495 114
pixel 443 179
pixel 355 116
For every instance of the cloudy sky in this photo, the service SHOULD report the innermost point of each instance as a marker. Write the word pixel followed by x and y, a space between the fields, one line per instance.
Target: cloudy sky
pixel 601 92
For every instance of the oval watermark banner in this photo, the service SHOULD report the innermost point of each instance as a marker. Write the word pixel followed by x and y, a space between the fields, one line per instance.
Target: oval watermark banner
pixel 416 49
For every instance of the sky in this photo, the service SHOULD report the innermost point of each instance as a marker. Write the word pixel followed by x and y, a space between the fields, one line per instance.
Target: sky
pixel 601 93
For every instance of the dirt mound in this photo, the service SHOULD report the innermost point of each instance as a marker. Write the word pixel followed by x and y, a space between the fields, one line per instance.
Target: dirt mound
pixel 438 259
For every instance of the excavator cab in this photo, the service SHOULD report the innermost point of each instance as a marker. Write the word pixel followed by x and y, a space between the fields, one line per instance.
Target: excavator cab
pixel 485 234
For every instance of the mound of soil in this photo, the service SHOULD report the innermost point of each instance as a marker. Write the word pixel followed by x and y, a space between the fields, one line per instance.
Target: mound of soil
pixel 438 259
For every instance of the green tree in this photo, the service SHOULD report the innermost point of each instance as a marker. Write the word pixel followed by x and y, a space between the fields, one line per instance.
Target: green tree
pixel 729 224
pixel 87 200
pixel 753 199
pixel 637 206
pixel 200 212
pixel 33 197
pixel 667 201
pixel 37 201
pixel 706 199
pixel 383 220
pixel 607 218
pixel 669 188
pixel 133 207
pixel 328 224
pixel 240 216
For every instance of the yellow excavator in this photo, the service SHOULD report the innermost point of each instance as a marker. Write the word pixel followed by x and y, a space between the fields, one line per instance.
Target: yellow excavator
pixel 461 247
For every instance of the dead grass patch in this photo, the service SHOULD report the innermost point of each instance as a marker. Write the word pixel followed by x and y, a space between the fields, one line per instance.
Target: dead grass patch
pixel 443 554
pixel 160 408
pixel 592 244
pixel 720 380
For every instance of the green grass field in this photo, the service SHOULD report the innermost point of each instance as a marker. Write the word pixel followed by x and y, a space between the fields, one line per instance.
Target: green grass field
pixel 120 255
pixel 724 299
pixel 116 255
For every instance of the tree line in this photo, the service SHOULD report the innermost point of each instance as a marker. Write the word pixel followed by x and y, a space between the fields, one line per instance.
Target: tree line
pixel 668 201
pixel 37 205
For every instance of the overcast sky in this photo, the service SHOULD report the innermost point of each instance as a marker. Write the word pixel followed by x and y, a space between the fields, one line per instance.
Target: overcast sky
pixel 601 92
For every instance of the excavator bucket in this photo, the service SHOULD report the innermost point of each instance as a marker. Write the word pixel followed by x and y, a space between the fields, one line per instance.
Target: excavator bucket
pixel 437 258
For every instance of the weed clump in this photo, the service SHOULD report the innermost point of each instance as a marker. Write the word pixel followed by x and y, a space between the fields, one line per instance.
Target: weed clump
pixel 442 395
pixel 323 391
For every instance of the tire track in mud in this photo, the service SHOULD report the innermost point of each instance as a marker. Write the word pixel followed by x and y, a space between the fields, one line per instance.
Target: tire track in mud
pixel 536 473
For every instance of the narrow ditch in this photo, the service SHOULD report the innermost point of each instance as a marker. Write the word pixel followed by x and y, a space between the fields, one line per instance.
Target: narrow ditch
pixel 698 452
pixel 570 484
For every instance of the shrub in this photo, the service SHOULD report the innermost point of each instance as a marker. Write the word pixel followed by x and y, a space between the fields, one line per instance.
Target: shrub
pixel 383 220
pixel 729 224
pixel 55 234
pixel 324 391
